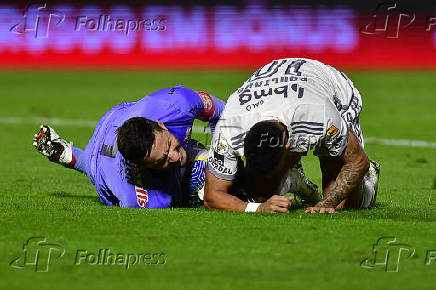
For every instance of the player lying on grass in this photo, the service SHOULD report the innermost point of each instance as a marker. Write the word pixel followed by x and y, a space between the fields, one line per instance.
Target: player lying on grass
pixel 136 162
pixel 285 109
pixel 153 135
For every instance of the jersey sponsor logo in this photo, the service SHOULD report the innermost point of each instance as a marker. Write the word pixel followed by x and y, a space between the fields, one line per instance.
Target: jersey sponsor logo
pixel 208 104
pixel 253 106
pixel 218 157
pixel 246 96
pixel 294 67
pixel 272 81
pixel 141 196
pixel 332 131
pixel 217 163
pixel 267 70
pixel 273 67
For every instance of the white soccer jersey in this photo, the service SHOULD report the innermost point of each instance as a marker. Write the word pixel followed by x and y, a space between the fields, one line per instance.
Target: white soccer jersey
pixel 308 97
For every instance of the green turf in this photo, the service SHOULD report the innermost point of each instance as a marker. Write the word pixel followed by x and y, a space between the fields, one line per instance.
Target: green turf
pixel 207 249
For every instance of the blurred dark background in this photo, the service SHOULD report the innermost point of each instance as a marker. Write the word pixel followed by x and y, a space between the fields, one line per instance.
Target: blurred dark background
pixel 216 34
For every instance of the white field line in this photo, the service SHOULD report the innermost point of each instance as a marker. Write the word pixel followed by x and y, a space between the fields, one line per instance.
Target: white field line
pixel 49 121
pixel 196 129
pixel 400 142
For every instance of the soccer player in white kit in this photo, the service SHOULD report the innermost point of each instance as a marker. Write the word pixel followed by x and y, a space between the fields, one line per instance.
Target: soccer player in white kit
pixel 285 109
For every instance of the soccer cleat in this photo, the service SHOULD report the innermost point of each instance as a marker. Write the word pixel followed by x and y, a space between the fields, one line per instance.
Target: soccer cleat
pixel 370 184
pixel 374 169
pixel 374 173
pixel 56 149
pixel 306 190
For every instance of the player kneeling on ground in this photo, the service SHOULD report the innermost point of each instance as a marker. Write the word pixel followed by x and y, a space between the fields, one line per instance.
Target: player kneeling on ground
pixel 141 154
pixel 285 109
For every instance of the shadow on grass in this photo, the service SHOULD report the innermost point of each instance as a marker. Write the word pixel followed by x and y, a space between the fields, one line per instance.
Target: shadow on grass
pixel 381 211
pixel 75 196
pixel 386 212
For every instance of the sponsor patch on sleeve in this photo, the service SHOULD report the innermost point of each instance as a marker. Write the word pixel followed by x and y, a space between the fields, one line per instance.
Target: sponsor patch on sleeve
pixel 208 105
pixel 332 131
pixel 141 196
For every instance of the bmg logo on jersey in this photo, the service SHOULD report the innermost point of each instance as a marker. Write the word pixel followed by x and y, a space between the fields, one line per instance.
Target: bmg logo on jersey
pixel 38 19
pixel 38 254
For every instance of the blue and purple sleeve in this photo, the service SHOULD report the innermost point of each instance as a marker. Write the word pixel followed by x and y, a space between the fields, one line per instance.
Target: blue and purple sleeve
pixel 212 109
pixel 198 105
pixel 180 106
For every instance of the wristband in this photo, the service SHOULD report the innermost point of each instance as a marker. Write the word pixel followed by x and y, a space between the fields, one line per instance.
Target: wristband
pixel 252 207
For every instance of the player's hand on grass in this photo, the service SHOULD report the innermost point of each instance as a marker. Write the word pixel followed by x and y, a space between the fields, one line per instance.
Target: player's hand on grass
pixel 320 208
pixel 276 203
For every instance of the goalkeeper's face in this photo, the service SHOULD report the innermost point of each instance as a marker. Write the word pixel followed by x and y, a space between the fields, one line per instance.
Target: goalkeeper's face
pixel 166 153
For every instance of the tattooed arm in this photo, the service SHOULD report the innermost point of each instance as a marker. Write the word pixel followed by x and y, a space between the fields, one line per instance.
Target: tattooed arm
pixel 342 177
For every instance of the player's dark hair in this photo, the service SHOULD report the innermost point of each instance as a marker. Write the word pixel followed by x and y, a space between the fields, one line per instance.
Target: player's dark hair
pixel 264 146
pixel 136 138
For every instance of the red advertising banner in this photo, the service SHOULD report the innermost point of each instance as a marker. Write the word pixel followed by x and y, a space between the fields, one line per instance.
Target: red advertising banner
pixel 79 36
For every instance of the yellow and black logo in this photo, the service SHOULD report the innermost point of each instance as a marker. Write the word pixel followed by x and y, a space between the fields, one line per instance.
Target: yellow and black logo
pixel 332 131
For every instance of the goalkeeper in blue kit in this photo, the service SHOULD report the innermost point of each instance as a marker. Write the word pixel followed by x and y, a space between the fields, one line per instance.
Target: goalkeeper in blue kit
pixel 141 153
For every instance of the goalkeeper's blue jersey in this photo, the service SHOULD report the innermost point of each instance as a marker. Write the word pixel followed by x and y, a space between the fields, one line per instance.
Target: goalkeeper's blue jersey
pixel 120 183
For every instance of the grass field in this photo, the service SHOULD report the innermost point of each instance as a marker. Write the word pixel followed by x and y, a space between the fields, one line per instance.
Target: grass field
pixel 208 249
